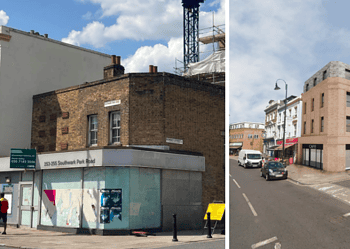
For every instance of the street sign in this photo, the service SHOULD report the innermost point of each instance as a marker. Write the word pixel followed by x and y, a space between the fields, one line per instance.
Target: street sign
pixel 23 158
pixel 216 211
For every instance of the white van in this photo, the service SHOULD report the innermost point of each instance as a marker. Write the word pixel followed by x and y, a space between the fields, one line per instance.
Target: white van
pixel 250 158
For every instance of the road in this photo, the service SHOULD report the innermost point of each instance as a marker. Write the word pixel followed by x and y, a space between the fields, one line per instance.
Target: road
pixel 283 214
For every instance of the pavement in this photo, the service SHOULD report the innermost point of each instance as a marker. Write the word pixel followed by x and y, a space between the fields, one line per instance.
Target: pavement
pixel 32 238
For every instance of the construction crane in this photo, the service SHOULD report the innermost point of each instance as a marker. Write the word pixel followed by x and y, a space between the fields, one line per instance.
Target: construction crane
pixel 191 20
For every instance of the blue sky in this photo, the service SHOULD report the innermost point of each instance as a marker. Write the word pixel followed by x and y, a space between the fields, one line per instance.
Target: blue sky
pixel 142 32
pixel 275 39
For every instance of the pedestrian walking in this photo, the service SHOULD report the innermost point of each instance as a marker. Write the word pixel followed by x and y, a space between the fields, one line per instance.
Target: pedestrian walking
pixel 4 205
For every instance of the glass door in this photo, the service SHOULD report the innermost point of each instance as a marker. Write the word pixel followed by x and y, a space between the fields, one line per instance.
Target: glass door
pixel 26 207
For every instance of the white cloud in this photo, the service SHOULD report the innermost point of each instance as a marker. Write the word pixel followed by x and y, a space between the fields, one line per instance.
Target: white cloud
pixel 137 20
pixel 4 18
pixel 158 55
pixel 87 16
pixel 270 40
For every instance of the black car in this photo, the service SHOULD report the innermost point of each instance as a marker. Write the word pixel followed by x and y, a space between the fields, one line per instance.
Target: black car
pixel 274 170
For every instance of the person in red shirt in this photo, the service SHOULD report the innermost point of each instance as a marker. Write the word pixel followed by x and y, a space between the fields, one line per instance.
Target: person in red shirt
pixel 3 210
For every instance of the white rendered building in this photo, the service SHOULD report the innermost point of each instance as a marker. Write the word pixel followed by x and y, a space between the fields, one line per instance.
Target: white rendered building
pixel 30 64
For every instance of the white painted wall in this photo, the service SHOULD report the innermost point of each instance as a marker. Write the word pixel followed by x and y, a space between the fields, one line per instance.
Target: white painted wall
pixel 29 65
pixel 289 126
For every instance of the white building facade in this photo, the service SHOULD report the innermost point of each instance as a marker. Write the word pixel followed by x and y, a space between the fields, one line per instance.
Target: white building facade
pixel 31 64
pixel 275 111
pixel 271 127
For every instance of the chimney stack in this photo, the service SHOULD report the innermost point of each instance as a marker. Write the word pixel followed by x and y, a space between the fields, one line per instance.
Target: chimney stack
pixel 114 69
pixel 155 69
pixel 151 68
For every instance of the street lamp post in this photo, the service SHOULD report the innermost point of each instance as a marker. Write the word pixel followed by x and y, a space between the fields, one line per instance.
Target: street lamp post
pixel 285 114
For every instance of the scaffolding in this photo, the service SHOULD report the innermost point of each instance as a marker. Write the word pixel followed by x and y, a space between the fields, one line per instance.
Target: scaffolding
pixel 211 64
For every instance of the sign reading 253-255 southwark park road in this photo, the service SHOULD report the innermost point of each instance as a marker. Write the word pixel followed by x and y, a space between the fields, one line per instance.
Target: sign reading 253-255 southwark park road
pixel 23 158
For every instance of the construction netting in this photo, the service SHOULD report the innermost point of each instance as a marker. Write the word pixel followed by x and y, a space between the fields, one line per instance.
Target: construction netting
pixel 213 63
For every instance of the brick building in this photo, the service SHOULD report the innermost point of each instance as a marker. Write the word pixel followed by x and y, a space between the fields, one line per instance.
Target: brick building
pixel 325 138
pixel 161 113
pixel 246 136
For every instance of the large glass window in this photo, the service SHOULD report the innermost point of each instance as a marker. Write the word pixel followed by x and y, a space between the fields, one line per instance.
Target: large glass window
pixel 114 127
pixel 347 124
pixel 347 99
pixel 93 130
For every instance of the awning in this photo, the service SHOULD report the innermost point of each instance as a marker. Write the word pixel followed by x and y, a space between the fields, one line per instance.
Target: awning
pixel 272 147
pixel 235 147
pixel 285 146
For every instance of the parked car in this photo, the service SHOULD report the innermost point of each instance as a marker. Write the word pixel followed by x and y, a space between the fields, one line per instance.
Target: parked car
pixel 274 170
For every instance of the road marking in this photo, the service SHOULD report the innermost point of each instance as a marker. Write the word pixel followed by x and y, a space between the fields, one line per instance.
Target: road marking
pixel 265 242
pixel 236 183
pixel 346 215
pixel 250 205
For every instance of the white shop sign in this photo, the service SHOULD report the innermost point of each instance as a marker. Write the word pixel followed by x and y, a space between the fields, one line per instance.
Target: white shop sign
pixel 112 103
pixel 174 141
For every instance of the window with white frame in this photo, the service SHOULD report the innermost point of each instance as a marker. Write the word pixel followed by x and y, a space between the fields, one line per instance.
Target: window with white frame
pixel 114 134
pixel 93 130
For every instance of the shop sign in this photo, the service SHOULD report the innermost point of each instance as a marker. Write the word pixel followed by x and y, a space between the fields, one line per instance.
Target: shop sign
pixel 23 158
pixel 174 141
pixel 71 162
pixel 236 144
pixel 7 188
pixel 216 211
pixel 288 141
pixel 291 140
pixel 112 103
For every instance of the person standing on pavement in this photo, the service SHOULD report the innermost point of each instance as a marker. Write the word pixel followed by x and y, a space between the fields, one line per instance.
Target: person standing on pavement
pixel 4 205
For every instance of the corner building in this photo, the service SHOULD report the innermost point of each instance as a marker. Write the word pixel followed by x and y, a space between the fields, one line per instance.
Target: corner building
pixel 246 136
pixel 156 139
pixel 325 139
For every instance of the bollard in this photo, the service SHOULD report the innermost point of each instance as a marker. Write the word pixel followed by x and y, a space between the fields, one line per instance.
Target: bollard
pixel 209 225
pixel 175 229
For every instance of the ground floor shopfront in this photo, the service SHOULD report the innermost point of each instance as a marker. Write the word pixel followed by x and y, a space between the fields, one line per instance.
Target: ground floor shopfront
pixel 235 148
pixel 330 154
pixel 106 191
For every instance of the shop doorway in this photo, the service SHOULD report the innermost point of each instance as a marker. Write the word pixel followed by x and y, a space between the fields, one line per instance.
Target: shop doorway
pixel 313 155
pixel 26 207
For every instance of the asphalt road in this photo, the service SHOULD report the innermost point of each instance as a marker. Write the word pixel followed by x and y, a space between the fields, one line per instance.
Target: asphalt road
pixel 281 214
